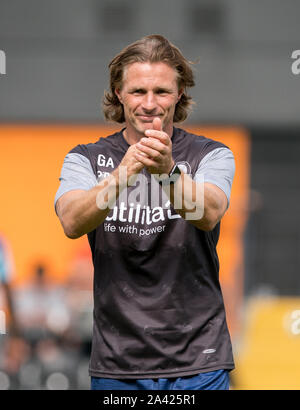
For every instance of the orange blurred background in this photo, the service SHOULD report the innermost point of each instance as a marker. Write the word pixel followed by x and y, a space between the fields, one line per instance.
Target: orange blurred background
pixel 31 161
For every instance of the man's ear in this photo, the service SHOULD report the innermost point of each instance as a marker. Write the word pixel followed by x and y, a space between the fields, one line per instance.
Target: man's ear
pixel 118 94
pixel 180 92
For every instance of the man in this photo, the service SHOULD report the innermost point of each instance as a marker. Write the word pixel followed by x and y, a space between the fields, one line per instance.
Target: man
pixel 6 271
pixel 153 225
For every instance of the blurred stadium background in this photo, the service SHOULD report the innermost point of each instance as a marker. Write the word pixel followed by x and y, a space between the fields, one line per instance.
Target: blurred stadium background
pixel 57 53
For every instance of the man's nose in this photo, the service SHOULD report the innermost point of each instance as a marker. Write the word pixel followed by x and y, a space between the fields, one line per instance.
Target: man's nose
pixel 149 102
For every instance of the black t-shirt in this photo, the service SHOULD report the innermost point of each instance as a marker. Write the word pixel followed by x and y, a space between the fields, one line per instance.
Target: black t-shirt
pixel 158 305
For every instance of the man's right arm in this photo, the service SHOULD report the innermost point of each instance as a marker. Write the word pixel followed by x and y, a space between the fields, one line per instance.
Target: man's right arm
pixel 80 211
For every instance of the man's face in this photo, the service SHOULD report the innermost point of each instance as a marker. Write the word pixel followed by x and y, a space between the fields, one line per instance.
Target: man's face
pixel 149 90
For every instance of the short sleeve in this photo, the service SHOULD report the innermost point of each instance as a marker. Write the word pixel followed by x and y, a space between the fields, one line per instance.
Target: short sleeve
pixel 218 168
pixel 76 173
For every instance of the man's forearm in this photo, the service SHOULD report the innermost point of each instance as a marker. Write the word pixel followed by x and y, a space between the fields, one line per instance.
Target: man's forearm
pixel 88 209
pixel 198 203
pixel 81 212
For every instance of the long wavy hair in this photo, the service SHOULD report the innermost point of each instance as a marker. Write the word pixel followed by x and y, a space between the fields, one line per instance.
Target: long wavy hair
pixel 152 49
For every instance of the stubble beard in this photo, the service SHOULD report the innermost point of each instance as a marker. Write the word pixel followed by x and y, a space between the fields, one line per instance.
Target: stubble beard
pixel 140 127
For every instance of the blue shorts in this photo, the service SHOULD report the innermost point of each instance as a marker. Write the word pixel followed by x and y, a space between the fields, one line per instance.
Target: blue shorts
pixel 216 380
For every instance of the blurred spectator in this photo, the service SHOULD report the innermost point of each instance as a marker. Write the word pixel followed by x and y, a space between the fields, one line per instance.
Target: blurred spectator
pixel 41 306
pixel 6 274
pixel 79 292
pixel 43 318
pixel 51 349
pixel 14 350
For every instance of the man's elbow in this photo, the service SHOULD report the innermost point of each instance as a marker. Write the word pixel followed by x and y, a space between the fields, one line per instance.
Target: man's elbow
pixel 208 225
pixel 210 220
pixel 70 228
pixel 71 234
pixel 67 222
pixel 212 216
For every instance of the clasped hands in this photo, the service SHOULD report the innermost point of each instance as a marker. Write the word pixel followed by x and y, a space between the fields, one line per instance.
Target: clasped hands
pixel 154 150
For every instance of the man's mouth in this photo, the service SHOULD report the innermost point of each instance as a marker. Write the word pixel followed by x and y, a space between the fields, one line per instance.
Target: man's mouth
pixel 147 118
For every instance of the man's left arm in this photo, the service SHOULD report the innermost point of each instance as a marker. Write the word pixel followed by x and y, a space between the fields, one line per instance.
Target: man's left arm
pixel 203 200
